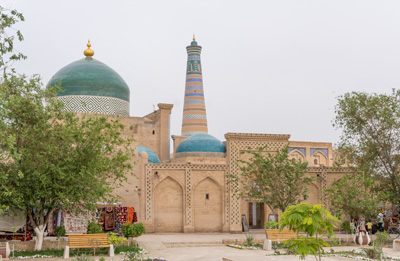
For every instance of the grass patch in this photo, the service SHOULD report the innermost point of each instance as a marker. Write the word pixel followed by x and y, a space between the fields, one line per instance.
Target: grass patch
pixel 77 251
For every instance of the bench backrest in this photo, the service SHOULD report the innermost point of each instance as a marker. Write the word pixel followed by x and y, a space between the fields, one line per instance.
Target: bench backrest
pixel 275 235
pixel 88 240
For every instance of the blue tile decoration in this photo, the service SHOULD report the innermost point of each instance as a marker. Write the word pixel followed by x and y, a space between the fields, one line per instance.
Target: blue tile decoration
pixel 153 158
pixel 301 150
pixel 201 142
pixel 325 151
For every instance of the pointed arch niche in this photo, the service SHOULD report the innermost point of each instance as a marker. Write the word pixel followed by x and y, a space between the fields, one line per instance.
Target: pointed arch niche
pixel 318 159
pixel 208 205
pixel 296 155
pixel 168 206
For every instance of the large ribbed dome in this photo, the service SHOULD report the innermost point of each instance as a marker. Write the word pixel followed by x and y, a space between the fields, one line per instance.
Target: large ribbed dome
pixel 202 145
pixel 93 87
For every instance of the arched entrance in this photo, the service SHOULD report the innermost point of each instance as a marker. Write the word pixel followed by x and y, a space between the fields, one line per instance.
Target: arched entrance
pixel 168 207
pixel 208 206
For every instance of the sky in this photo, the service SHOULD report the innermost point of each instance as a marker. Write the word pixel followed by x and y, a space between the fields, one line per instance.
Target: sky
pixel 268 66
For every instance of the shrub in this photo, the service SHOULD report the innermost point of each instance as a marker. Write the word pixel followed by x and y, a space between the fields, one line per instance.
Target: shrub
pixel 60 231
pixel 115 239
pixel 94 228
pixel 346 227
pixel 272 225
pixel 102 259
pixel 379 242
pixel 133 230
pixel 249 239
pixel 132 256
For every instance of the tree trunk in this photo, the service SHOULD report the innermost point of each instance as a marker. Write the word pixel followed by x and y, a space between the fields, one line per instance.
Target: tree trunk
pixel 39 231
pixel 319 248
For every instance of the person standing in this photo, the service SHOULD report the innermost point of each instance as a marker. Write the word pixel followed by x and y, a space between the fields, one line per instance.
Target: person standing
pixel 380 222
pixel 369 226
pixel 352 227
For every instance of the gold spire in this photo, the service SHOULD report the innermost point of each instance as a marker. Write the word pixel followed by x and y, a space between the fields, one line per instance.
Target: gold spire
pixel 194 38
pixel 88 52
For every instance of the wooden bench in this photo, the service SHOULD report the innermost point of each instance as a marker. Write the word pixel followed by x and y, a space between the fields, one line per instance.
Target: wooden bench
pixel 276 235
pixel 88 241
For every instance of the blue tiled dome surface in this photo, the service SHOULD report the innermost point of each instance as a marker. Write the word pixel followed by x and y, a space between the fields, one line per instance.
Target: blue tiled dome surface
pixel 201 142
pixel 90 77
pixel 153 158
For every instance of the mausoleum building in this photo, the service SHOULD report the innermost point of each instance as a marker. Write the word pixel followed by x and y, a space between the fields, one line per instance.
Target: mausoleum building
pixel 186 189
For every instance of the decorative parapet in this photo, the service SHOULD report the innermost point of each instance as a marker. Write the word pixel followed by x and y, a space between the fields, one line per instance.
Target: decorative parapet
pixel 256 136
pixel 328 169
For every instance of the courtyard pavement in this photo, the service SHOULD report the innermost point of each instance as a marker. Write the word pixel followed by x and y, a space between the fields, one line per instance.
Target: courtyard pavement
pixel 210 247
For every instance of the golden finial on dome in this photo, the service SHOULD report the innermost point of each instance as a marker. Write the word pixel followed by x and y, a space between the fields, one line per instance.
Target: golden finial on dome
pixel 194 38
pixel 88 52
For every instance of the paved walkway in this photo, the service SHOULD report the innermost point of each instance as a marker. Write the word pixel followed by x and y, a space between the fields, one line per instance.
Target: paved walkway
pixel 210 247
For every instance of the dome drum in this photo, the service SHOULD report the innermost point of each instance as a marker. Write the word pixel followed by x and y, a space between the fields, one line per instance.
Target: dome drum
pixel 200 154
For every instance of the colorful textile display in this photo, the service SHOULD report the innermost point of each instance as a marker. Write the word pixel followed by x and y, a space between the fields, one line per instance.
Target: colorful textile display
pixel 76 224
pixel 118 228
pixel 134 217
pixel 109 219
pixel 122 215
pixel 130 214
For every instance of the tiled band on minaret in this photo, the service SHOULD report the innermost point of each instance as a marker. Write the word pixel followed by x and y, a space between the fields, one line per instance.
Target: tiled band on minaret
pixel 194 109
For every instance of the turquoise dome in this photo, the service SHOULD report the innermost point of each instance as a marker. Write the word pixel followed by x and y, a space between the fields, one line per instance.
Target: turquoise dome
pixel 201 142
pixel 153 158
pixel 90 77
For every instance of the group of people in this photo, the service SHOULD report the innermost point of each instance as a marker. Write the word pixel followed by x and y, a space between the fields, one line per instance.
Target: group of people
pixel 382 224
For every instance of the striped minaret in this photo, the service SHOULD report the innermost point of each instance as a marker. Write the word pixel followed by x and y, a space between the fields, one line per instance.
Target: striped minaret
pixel 194 110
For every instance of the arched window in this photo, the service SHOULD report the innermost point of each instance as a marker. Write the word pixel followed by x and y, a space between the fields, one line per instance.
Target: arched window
pixel 315 162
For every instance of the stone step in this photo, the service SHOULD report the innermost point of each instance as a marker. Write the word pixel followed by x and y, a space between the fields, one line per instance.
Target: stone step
pixel 192 244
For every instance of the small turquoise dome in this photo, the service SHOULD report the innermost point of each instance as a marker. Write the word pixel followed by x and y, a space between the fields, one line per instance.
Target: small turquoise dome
pixel 201 142
pixel 90 77
pixel 153 158
pixel 193 43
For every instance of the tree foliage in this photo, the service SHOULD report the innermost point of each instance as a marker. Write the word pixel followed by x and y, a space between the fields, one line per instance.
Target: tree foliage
pixel 272 178
pixel 53 159
pixel 351 195
pixel 370 141
pixel 313 220
pixel 8 35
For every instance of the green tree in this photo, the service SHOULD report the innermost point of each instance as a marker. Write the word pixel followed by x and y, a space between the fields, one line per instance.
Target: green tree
pixel 50 158
pixel 351 195
pixel 370 141
pixel 7 37
pixel 272 178
pixel 313 220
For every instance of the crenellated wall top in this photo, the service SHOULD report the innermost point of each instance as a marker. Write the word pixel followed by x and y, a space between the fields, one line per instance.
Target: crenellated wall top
pixel 256 136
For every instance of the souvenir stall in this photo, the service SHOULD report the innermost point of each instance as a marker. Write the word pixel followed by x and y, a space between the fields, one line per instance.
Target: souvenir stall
pixel 74 224
pixel 111 216
pixel 14 227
